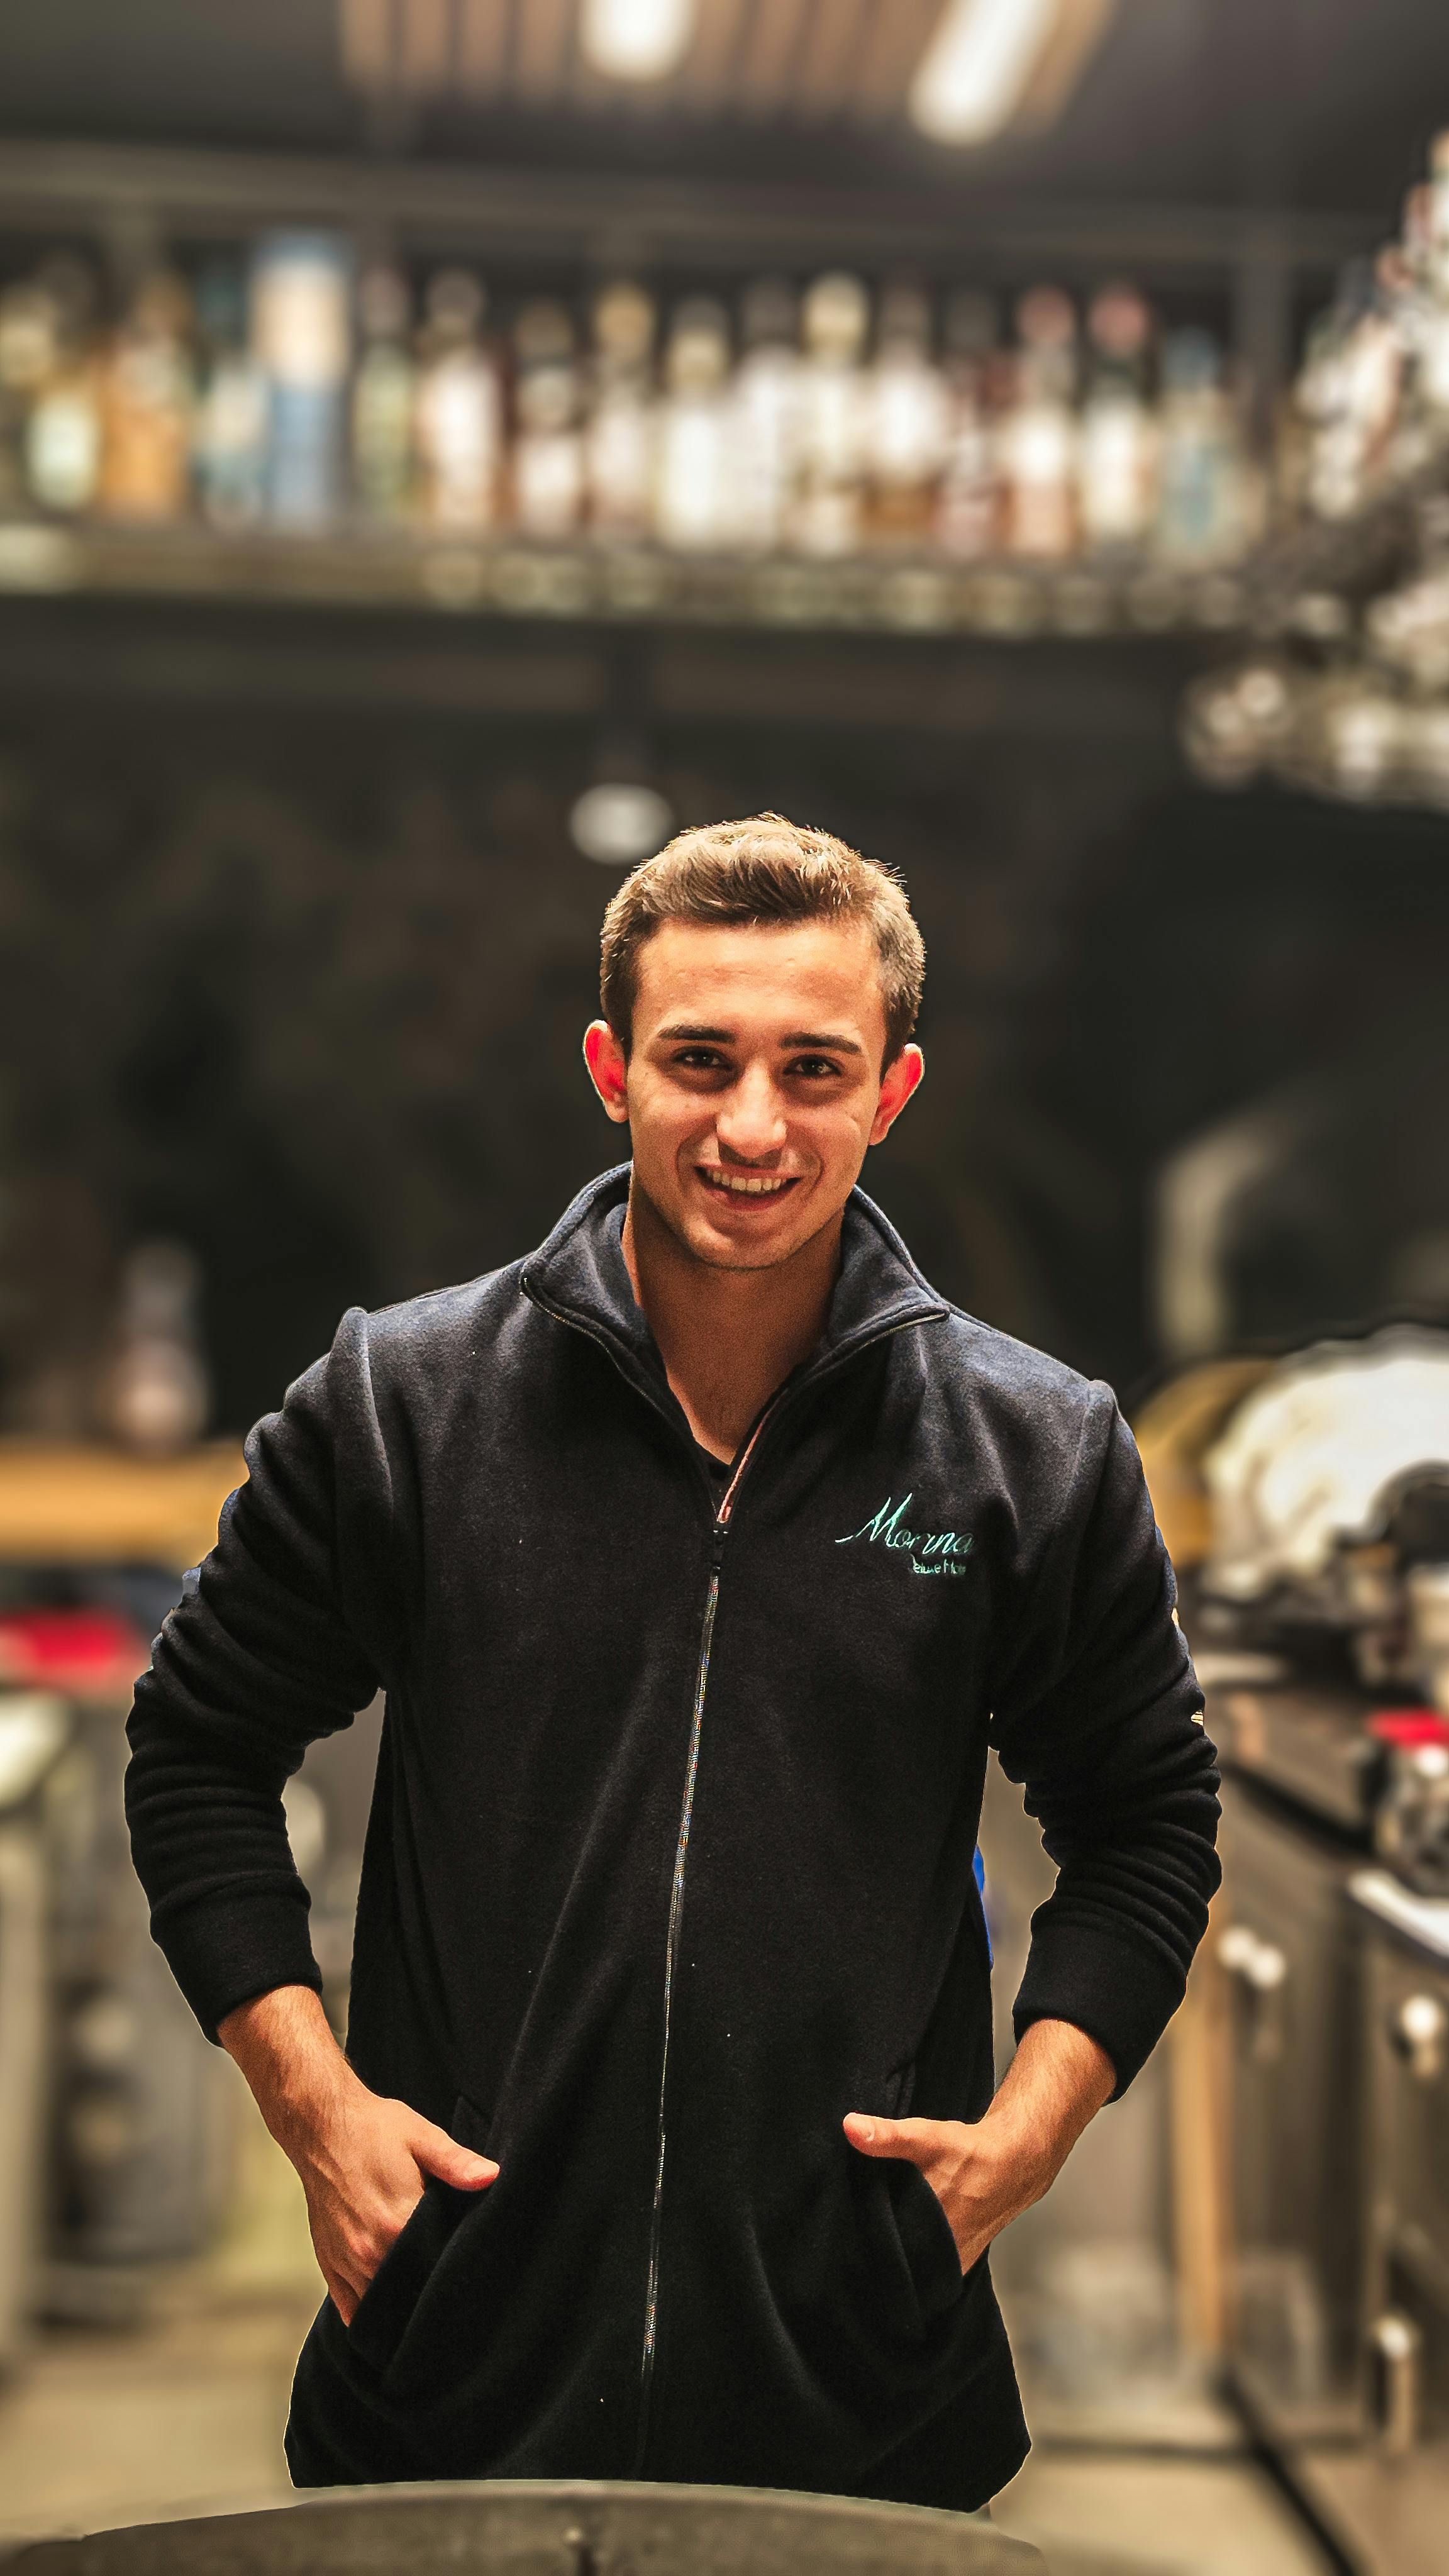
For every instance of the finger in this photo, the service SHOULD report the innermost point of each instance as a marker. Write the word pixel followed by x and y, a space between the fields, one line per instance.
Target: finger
pixel 439 2154
pixel 344 2298
pixel 917 2141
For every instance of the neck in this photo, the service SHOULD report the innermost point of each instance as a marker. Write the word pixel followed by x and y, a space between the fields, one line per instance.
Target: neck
pixel 728 1338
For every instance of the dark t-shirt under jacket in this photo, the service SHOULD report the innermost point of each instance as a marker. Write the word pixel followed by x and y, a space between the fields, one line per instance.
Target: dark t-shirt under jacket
pixel 670 1857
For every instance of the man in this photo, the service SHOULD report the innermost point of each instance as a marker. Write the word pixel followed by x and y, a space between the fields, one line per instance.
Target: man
pixel 701 1555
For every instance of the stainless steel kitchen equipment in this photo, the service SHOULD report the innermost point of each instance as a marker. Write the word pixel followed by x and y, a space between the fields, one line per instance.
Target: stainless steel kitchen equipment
pixel 508 2527
pixel 1289 1950
pixel 1387 2499
pixel 140 2139
pixel 33 1732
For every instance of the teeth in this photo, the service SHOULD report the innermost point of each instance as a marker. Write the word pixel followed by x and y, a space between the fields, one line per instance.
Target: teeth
pixel 747 1185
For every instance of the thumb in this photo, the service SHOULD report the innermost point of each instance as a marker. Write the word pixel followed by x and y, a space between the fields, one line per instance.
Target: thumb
pixel 439 2154
pixel 913 2140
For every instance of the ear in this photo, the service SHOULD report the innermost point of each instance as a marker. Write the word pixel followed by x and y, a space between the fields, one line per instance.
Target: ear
pixel 902 1076
pixel 608 1069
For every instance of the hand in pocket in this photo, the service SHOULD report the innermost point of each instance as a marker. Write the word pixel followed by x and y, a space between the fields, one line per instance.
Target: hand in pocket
pixel 363 2176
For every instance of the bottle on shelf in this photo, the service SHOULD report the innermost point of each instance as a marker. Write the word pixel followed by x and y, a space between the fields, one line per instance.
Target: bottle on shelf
pixel 458 428
pixel 1204 506
pixel 230 431
pixel 967 506
pixel 620 435
pixel 829 510
pixel 63 430
pixel 155 1396
pixel 907 423
pixel 28 325
pixel 148 395
pixel 695 492
pixel 301 339
pixel 1117 433
pixel 384 399
pixel 765 435
pixel 548 450
pixel 1037 435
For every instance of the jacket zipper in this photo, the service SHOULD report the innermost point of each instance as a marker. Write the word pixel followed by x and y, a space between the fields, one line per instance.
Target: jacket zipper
pixel 671 1943
pixel 686 1815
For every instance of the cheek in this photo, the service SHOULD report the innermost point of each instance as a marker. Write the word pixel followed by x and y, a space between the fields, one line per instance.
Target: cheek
pixel 664 1125
pixel 838 1135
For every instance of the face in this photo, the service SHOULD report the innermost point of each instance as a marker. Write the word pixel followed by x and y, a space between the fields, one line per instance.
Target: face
pixel 754 1083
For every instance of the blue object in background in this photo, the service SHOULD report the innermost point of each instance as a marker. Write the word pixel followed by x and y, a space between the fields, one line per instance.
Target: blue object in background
pixel 978 1870
pixel 301 324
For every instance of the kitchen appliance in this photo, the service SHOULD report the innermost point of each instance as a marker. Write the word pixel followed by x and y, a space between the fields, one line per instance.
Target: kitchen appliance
pixel 1387 2500
pixel 1290 1955
pixel 33 1731
pixel 137 2139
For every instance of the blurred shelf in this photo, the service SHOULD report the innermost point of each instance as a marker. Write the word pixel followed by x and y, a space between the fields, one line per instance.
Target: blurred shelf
pixel 87 1505
pixel 595 584
pixel 526 213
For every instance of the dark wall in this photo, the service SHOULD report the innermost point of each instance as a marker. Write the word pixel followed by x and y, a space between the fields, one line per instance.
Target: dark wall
pixel 303 985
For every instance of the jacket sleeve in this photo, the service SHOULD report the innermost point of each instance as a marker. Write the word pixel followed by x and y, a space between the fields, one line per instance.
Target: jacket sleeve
pixel 259 1659
pixel 1098 1713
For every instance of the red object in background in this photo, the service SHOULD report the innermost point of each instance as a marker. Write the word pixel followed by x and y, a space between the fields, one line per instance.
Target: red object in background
pixel 1409 1726
pixel 80 1651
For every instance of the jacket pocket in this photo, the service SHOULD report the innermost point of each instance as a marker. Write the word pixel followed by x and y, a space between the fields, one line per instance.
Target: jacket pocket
pixel 930 2249
pixel 910 2274
pixel 384 2312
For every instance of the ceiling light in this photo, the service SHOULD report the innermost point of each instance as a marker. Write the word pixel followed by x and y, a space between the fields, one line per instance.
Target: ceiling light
pixel 636 39
pixel 979 65
pixel 618 825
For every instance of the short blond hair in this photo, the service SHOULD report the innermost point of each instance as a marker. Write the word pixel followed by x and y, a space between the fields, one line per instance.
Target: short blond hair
pixel 764 869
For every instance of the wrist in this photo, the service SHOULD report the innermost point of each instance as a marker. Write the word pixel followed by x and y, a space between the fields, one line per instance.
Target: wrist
pixel 284 2045
pixel 1015 2141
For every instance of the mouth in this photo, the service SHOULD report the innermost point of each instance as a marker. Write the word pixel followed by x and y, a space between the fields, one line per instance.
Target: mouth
pixel 746 1185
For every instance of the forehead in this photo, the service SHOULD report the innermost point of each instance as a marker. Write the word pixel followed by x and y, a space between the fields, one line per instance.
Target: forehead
pixel 796 974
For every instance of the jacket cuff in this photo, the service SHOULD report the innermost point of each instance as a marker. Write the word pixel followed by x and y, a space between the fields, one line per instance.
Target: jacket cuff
pixel 1122 1993
pixel 227 1948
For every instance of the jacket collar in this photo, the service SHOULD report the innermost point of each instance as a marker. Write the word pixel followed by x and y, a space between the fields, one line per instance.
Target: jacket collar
pixel 579 1275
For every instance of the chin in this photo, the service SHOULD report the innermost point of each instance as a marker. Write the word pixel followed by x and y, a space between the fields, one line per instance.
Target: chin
pixel 751 1248
pixel 741 1256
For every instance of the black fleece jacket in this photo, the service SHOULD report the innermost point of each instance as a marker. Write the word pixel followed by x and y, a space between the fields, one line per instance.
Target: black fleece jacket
pixel 670 1857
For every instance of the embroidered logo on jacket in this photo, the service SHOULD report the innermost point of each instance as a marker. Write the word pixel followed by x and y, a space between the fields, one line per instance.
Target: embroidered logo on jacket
pixel 930 1551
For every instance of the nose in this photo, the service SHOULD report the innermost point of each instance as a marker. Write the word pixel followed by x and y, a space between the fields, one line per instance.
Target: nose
pixel 750 1123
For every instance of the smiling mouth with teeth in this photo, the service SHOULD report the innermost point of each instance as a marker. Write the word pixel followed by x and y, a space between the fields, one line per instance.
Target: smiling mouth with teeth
pixel 752 1185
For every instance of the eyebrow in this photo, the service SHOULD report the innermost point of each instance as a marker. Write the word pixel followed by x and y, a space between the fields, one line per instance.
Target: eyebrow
pixel 820 1042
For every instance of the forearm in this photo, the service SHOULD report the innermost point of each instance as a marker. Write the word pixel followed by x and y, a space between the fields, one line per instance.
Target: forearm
pixel 284 2045
pixel 986 2172
pixel 1056 2083
pixel 361 2159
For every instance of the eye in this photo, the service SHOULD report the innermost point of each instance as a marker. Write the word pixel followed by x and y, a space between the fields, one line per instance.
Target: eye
pixel 814 1067
pixel 699 1059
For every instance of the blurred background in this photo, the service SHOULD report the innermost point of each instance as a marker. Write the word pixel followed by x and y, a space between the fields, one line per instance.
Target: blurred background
pixel 446 445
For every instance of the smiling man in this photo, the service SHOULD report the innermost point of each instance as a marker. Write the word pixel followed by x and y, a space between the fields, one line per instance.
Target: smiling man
pixel 666 2143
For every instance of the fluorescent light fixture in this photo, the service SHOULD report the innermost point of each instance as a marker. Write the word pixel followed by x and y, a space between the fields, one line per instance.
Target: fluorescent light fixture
pixel 979 65
pixel 636 40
